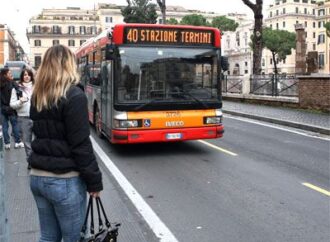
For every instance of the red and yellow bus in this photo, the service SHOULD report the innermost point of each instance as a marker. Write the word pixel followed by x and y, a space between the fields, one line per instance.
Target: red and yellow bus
pixel 153 83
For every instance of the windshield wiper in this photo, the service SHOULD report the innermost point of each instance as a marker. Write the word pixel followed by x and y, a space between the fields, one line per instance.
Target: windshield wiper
pixel 148 103
pixel 194 98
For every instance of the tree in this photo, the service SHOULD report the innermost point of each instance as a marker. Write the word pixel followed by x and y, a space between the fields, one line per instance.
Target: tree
pixel 162 6
pixel 140 11
pixel 279 42
pixel 224 24
pixel 172 21
pixel 194 19
pixel 257 33
pixel 327 28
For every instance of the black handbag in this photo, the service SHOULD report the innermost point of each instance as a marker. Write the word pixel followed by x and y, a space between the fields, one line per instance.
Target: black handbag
pixel 105 233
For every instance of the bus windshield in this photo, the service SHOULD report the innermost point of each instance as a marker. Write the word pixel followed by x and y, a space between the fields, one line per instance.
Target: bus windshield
pixel 156 74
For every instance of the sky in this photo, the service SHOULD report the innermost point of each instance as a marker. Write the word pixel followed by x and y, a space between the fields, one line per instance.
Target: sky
pixel 16 13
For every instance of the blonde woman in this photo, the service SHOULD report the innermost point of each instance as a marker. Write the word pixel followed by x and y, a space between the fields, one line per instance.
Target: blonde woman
pixel 63 165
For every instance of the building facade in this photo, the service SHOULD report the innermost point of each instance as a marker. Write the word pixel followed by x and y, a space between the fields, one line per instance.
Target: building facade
pixel 70 27
pixel 284 15
pixel 236 45
pixel 10 49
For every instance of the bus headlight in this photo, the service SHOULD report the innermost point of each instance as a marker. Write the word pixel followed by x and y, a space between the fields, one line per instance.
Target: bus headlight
pixel 120 124
pixel 213 120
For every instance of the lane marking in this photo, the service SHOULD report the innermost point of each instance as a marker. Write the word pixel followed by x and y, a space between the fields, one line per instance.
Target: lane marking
pixel 218 148
pixel 321 190
pixel 157 226
pixel 276 127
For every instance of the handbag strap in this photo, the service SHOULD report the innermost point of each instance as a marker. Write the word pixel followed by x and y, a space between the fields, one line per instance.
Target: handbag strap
pixel 99 216
pixel 107 223
pixel 89 211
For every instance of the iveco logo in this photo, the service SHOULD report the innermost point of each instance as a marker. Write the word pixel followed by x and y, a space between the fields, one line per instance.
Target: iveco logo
pixel 174 123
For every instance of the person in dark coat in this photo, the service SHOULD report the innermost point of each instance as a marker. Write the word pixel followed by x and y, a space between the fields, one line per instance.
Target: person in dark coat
pixel 63 165
pixel 8 114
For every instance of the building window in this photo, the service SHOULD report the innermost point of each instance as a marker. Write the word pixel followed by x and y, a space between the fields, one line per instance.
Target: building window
pixel 36 29
pixel 82 41
pixel 237 39
pixel 321 12
pixel 276 25
pixel 305 24
pixel 297 10
pixel 313 11
pixel 314 24
pixel 284 1
pixel 305 10
pixel 246 72
pixel 71 42
pixel 305 1
pixel 314 46
pixel 283 24
pixel 321 60
pixel 71 30
pixel 314 35
pixel 56 42
pixel 263 62
pixel 283 10
pixel 108 19
pixel 271 14
pixel 321 39
pixel 37 42
pixel 37 61
pixel 56 29
pixel 82 29
pixel 284 61
pixel 276 12
pixel 320 24
pixel 296 1
pixel 271 26
pixel 271 61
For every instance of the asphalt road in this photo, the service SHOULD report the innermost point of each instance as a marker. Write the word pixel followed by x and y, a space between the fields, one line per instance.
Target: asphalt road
pixel 203 193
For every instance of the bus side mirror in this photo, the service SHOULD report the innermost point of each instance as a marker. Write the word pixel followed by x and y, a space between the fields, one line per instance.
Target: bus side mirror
pixel 110 52
pixel 224 63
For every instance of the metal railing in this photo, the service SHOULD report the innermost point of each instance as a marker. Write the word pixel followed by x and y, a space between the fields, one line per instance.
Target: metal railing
pixel 232 84
pixel 274 85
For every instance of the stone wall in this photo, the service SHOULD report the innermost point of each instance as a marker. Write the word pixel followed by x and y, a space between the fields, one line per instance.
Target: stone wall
pixel 314 92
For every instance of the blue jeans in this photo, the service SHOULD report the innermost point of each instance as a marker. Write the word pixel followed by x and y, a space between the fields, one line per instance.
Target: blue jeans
pixel 61 204
pixel 5 119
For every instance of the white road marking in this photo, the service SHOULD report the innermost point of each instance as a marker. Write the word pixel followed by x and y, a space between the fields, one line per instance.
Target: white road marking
pixel 217 148
pixel 156 225
pixel 276 127
pixel 316 188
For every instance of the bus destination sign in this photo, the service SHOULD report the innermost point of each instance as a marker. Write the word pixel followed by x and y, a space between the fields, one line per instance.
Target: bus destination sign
pixel 172 36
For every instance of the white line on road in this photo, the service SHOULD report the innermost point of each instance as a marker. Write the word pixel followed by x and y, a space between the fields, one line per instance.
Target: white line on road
pixel 276 127
pixel 156 225
pixel 218 148
pixel 321 190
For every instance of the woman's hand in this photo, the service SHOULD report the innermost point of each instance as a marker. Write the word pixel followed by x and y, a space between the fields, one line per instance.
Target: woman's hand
pixel 94 194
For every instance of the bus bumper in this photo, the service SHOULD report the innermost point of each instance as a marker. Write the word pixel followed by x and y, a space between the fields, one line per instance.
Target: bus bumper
pixel 166 135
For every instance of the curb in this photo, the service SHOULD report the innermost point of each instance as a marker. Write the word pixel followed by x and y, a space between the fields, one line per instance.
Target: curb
pixel 312 128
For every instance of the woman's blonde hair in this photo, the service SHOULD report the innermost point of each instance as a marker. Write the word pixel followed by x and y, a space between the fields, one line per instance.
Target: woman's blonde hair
pixel 57 72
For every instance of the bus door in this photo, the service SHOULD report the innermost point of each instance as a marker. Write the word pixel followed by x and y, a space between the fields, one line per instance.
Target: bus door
pixel 106 96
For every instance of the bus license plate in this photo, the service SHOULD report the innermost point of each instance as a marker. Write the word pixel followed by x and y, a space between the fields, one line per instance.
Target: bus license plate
pixel 174 136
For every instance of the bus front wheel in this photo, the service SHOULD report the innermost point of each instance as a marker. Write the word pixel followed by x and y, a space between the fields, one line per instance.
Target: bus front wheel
pixel 97 123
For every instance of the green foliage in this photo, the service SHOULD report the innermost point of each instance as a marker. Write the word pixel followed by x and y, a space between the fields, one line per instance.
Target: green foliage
pixel 172 21
pixel 224 24
pixel 279 42
pixel 327 28
pixel 194 19
pixel 140 11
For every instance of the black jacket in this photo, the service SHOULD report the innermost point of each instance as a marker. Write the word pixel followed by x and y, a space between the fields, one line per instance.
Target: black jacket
pixel 6 87
pixel 62 141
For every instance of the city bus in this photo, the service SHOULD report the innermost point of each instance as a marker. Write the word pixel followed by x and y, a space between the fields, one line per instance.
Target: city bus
pixel 153 83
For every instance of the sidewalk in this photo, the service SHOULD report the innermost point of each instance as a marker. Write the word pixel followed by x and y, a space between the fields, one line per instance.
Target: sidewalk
pixel 297 118
pixel 22 211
